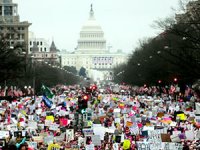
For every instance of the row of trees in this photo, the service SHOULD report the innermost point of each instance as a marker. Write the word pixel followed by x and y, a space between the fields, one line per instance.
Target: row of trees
pixel 175 53
pixel 16 69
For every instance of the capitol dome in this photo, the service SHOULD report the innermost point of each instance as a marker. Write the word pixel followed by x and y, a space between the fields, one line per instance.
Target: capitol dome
pixel 91 36
pixel 91 23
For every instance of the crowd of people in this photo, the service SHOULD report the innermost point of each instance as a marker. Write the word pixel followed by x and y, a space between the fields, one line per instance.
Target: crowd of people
pixel 129 118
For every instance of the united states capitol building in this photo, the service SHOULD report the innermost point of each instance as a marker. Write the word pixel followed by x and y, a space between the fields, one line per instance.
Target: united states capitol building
pixel 92 52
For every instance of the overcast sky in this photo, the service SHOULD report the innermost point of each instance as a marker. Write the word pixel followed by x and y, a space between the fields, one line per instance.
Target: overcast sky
pixel 124 22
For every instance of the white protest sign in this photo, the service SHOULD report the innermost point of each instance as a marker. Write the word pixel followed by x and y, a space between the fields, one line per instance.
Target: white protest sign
pixel 48 139
pixel 99 131
pixel 71 116
pixel 14 120
pixel 143 145
pixel 115 146
pixel 38 111
pixel 41 126
pixel 173 124
pixel 69 134
pixel 116 110
pixel 117 120
pixel 32 124
pixel 4 134
pixel 175 138
pixel 48 122
pixel 154 137
pixel 60 138
pixel 197 108
pixel 33 144
pixel 189 135
pixel 148 128
pixel 38 139
pixel 96 140
pixel 30 117
pixel 53 127
pixel 171 146
pixel 81 141
pixel 88 132
pixel 13 127
pixel 90 147
pixel 110 130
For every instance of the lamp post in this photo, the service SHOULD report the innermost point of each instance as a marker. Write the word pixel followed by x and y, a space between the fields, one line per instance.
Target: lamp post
pixel 33 66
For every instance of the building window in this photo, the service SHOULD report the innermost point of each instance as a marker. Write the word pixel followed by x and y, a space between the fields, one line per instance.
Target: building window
pixel 37 43
pixel 30 49
pixel 45 49
pixel 41 49
pixel 30 42
pixel 8 11
pixel 40 43
pixel 23 36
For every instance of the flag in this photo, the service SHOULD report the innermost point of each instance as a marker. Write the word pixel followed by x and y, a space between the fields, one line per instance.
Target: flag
pixel 46 91
pixel 47 102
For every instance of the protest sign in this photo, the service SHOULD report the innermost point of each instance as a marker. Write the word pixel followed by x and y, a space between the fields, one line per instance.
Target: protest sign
pixel 88 132
pixel 197 108
pixel 41 126
pixel 53 147
pixel 69 134
pixel 117 120
pixel 129 124
pixel 48 139
pixel 175 138
pixel 4 134
pixel 171 146
pixel 32 144
pixel 90 147
pixel 53 127
pixel 165 138
pixel 13 127
pixel 60 138
pixel 48 122
pixel 154 137
pixel 115 146
pixel 32 124
pixel 81 141
pixel 38 111
pixel 189 135
pixel 63 122
pixel 143 145
pixel 96 140
pixel 99 131
pixel 109 130
pixel 126 144
pixel 44 134
pixel 50 118
pixel 38 139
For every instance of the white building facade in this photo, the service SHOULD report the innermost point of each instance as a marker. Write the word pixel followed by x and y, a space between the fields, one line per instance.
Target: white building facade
pixel 91 52
pixel 41 52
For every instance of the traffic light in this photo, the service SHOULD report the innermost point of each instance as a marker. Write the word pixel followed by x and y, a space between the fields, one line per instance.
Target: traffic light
pixel 82 103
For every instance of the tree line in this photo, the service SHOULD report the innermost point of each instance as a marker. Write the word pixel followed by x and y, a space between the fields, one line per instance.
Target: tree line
pixel 174 53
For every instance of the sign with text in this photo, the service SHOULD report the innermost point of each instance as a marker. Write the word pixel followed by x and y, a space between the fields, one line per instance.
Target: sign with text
pixel 88 132
pixel 69 134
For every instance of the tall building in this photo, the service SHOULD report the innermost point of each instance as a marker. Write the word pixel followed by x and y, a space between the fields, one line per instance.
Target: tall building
pixel 11 25
pixel 91 52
